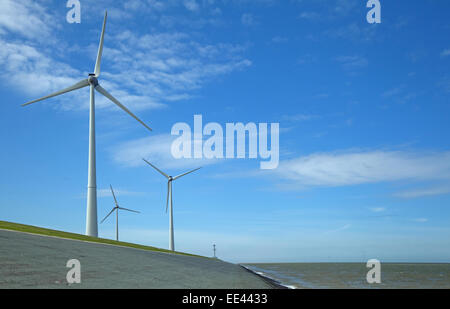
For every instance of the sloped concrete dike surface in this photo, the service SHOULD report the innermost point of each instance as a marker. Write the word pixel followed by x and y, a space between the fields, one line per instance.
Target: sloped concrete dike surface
pixel 35 261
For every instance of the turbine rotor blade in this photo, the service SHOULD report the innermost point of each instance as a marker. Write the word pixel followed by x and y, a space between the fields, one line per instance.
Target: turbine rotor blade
pixel 100 48
pixel 162 173
pixel 109 214
pixel 115 101
pixel 79 85
pixel 112 191
pixel 179 176
pixel 138 212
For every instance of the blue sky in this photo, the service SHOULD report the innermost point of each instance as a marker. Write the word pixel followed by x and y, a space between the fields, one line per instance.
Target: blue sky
pixel 363 110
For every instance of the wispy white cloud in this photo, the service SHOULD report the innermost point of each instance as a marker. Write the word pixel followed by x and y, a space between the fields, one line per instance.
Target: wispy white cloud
pixel 339 9
pixel 23 65
pixel 160 67
pixel 393 91
pixel 345 7
pixel 307 59
pixel 135 5
pixel 400 94
pixel 279 39
pixel 299 117
pixel 353 32
pixel 309 15
pixel 248 19
pixel 168 66
pixel 445 53
pixel 28 18
pixel 444 84
pixel 362 167
pixel 191 5
pixel 439 190
pixel 378 209
pixel 352 63
pixel 156 149
pixel 342 228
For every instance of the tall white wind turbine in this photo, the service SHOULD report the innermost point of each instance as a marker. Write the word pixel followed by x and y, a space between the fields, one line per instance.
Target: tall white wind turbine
pixel 92 82
pixel 116 209
pixel 170 179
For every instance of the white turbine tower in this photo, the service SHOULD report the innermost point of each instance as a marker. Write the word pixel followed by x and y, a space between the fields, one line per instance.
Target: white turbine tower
pixel 92 82
pixel 170 179
pixel 116 208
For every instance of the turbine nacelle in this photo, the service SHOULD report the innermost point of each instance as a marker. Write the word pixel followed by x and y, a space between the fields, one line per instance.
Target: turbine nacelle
pixel 93 80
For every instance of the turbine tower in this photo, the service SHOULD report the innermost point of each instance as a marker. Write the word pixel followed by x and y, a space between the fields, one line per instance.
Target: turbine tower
pixel 116 208
pixel 170 179
pixel 92 82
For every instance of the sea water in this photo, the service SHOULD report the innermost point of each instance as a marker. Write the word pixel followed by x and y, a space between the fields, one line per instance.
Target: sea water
pixel 353 275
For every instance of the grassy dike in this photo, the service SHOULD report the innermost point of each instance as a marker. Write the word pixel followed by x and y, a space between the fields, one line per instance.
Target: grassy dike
pixel 54 233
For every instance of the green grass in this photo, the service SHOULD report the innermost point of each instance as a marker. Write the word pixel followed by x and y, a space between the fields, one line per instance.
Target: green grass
pixel 47 232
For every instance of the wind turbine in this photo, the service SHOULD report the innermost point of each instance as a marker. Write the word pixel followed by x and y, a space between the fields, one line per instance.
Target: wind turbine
pixel 92 82
pixel 170 179
pixel 116 208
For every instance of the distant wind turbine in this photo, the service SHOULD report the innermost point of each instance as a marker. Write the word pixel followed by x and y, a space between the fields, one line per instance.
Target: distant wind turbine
pixel 116 208
pixel 91 213
pixel 169 193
